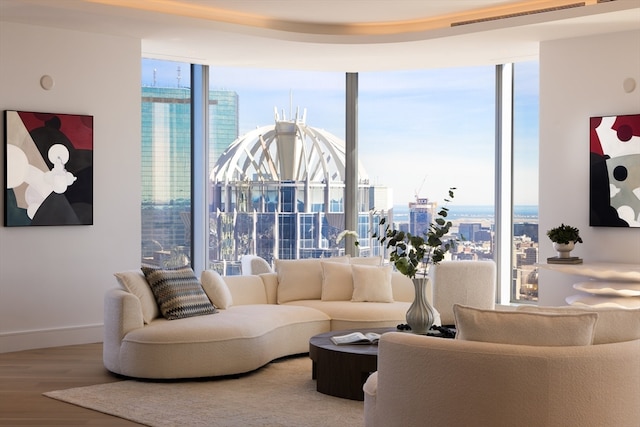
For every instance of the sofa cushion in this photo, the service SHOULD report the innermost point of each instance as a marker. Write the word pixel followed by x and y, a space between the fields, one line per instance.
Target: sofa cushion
pixel 614 324
pixel 135 282
pixel 178 292
pixel 347 315
pixel 216 289
pixel 522 328
pixel 366 260
pixel 337 281
pixel 301 279
pixel 371 283
pixel 248 289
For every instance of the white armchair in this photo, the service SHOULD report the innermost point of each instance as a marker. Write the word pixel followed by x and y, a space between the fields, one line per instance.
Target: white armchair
pixel 471 283
pixel 427 381
pixel 253 264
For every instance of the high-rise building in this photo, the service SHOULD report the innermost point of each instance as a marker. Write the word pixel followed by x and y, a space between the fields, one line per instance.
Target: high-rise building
pixel 166 162
pixel 421 213
pixel 278 192
pixel 468 230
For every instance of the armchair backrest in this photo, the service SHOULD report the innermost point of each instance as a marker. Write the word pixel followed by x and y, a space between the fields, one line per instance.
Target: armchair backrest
pixel 253 265
pixel 451 382
pixel 471 283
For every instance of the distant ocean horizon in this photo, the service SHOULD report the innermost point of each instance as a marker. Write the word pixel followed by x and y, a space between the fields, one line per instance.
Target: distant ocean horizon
pixel 522 212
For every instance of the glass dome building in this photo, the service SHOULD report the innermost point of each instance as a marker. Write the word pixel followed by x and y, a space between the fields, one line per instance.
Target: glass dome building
pixel 278 192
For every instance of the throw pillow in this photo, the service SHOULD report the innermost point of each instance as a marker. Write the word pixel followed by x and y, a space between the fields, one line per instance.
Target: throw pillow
pixel 301 279
pixel 521 328
pixel 372 284
pixel 135 282
pixel 216 289
pixel 337 283
pixel 614 324
pixel 178 292
pixel 366 260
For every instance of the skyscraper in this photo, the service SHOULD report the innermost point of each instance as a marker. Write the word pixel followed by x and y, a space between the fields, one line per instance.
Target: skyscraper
pixel 166 162
pixel 278 192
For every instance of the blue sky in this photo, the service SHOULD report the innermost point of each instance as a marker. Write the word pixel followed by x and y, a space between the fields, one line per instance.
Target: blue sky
pixel 419 131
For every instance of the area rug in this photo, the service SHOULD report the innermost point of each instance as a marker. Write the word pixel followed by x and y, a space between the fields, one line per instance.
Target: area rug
pixel 279 394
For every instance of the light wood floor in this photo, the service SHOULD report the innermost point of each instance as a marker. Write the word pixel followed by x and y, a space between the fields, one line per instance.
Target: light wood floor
pixel 25 375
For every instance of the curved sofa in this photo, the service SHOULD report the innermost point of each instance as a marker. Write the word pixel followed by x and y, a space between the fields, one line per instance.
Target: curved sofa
pixel 256 322
pixel 439 382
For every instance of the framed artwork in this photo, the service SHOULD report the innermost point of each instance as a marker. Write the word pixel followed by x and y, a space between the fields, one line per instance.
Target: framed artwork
pixel 614 196
pixel 48 169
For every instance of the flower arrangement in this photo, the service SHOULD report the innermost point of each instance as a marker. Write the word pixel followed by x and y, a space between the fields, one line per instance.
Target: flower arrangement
pixel 410 253
pixel 345 233
pixel 564 234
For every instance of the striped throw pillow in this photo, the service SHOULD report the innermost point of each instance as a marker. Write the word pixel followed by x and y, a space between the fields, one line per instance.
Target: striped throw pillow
pixel 178 292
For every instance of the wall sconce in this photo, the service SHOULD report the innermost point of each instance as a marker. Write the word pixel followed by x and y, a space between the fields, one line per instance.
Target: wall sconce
pixel 47 82
pixel 629 85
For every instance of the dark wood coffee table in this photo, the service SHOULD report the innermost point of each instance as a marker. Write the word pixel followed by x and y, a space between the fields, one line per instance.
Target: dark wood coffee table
pixel 341 370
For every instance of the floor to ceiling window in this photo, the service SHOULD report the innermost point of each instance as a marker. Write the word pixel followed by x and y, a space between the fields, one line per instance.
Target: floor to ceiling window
pixel 525 182
pixel 424 131
pixel 276 162
pixel 166 163
pixel 277 191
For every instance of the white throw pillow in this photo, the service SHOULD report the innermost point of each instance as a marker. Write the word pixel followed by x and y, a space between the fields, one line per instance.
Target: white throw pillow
pixel 371 284
pixel 135 282
pixel 301 279
pixel 614 324
pixel 216 289
pixel 366 260
pixel 337 281
pixel 522 328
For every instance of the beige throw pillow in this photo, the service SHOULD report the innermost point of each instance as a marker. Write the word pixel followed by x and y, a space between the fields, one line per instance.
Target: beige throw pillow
pixel 521 328
pixel 337 281
pixel 136 283
pixel 614 324
pixel 371 284
pixel 366 260
pixel 301 279
pixel 216 289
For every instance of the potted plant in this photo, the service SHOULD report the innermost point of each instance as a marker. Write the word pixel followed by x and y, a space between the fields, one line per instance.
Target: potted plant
pixel 564 239
pixel 412 255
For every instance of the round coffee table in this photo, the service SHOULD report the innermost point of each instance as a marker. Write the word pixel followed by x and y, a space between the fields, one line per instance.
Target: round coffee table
pixel 341 370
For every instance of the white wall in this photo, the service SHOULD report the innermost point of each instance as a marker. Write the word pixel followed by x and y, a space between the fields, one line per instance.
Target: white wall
pixel 581 78
pixel 52 279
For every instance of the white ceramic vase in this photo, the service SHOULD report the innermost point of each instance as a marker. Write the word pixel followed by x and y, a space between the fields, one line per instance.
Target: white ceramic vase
pixel 564 249
pixel 420 315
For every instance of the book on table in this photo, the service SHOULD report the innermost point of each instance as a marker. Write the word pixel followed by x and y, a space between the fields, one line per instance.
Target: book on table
pixel 356 338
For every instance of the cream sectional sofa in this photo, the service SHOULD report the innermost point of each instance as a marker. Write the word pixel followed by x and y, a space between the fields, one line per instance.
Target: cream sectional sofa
pixel 259 317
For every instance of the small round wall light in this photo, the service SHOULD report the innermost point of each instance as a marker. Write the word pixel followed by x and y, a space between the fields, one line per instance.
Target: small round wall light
pixel 46 82
pixel 629 85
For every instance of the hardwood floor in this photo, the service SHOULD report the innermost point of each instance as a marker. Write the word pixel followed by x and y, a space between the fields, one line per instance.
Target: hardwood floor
pixel 25 375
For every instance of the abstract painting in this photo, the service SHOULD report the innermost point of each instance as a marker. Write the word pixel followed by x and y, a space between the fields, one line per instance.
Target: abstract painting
pixel 614 171
pixel 48 169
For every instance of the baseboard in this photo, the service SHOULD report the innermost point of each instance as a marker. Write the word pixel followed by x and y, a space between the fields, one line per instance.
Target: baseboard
pixel 55 337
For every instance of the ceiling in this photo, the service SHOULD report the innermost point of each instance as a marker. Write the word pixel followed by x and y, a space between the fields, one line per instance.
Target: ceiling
pixel 335 35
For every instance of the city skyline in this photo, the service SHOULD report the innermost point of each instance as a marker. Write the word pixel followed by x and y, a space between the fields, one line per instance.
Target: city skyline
pixel 439 123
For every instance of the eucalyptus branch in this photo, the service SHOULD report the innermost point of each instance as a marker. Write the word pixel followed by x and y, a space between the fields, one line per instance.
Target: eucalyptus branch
pixel 410 252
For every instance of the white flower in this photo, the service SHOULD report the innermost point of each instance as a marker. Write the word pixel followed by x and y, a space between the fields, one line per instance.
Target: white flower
pixel 345 233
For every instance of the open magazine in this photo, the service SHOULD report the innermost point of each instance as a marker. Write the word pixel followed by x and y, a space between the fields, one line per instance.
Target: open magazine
pixel 356 338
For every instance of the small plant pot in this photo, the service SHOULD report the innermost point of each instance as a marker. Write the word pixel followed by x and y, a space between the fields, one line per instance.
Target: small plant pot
pixel 564 249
